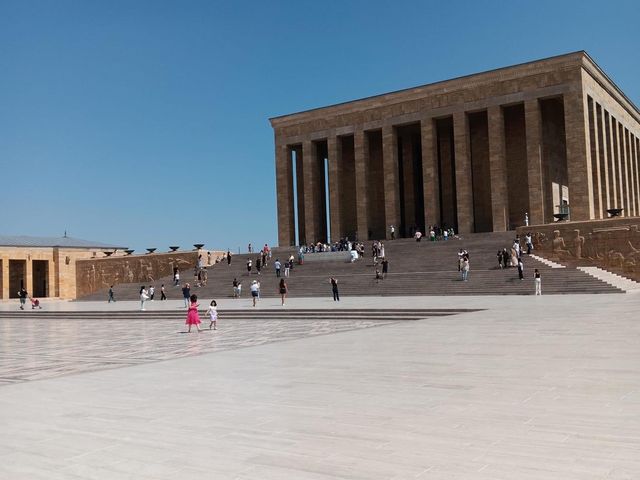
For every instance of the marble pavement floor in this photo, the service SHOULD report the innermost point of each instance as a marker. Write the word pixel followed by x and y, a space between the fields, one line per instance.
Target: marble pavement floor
pixel 523 388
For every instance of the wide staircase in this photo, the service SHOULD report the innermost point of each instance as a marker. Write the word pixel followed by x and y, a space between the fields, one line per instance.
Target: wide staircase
pixel 415 268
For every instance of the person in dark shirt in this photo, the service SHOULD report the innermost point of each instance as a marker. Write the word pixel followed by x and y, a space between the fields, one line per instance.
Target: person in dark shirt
pixel 186 294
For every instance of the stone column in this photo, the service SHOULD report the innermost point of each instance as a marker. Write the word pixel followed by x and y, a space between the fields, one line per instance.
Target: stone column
pixel 391 184
pixel 28 275
pixel 498 169
pixel 464 186
pixel 361 153
pixel 595 157
pixel 310 173
pixel 430 176
pixel 284 190
pixel 613 171
pixel 335 156
pixel 534 161
pixel 619 167
pixel 576 124
pixel 5 277
pixel 605 162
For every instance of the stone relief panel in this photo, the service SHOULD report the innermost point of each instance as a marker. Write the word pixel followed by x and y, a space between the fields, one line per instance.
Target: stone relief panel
pixel 612 244
pixel 99 273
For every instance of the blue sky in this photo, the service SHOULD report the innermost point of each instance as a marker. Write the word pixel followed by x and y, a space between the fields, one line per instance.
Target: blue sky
pixel 145 123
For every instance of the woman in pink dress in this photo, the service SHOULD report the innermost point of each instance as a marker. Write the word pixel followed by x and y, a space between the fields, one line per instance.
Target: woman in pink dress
pixel 192 316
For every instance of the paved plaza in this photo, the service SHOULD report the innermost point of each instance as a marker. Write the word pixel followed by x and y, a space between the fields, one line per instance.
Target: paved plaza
pixel 516 388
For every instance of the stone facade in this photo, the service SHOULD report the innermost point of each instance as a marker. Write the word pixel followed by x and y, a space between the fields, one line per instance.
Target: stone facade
pixel 70 272
pixel 612 244
pixel 475 153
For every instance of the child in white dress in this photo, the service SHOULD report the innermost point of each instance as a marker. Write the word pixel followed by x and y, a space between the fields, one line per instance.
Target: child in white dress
pixel 213 314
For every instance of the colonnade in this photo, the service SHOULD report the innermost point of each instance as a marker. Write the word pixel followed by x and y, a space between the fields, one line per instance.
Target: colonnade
pixel 475 170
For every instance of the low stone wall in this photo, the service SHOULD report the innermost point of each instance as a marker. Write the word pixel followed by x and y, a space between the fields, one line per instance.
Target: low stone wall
pixel 612 244
pixel 99 273
pixel 327 257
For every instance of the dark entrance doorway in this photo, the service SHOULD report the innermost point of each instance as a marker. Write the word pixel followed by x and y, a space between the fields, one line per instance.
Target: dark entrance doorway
pixel 17 277
pixel 40 278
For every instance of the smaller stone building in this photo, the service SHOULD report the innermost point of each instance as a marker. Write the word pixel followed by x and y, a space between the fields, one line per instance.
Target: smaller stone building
pixel 45 266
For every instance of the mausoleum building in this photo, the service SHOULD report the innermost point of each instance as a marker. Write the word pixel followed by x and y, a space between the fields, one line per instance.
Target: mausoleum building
pixel 476 153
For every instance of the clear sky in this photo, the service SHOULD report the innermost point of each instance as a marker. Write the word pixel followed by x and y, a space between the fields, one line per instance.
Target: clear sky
pixel 145 123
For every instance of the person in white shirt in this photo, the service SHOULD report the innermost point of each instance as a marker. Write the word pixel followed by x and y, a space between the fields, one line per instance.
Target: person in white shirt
pixel 212 311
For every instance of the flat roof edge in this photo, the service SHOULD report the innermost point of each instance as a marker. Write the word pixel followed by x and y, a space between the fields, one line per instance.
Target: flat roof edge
pixel 493 70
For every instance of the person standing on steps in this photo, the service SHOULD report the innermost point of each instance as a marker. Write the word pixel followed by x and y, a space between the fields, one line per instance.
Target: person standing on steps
pixel 520 269
pixel 144 296
pixel 385 268
pixel 213 315
pixel 258 264
pixel 152 292
pixel 287 267
pixel 235 288
pixel 392 229
pixel 277 266
pixel 228 257
pixel 465 268
pixel 163 295
pixel 176 277
pixel 111 298
pixel 334 289
pixel 538 281
pixel 192 315
pixel 186 294
pixel 249 264
pixel 282 288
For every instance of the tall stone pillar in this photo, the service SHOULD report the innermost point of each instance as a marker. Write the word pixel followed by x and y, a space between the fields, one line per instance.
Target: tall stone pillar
pixel 464 186
pixel 604 149
pixel 310 172
pixel 5 278
pixel 498 169
pixel 431 185
pixel 576 125
pixel 391 184
pixel 534 161
pixel 335 171
pixel 595 157
pixel 284 189
pixel 361 153
pixel 28 275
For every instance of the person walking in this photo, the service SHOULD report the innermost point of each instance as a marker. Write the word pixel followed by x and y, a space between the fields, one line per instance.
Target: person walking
pixel 192 314
pixel 144 296
pixel 393 232
pixel 111 297
pixel 152 292
pixel 212 311
pixel 334 289
pixel 176 277
pixel 538 281
pixel 235 288
pixel 258 264
pixel 186 294
pixel 163 295
pixel 277 266
pixel 529 241
pixel 249 265
pixel 22 295
pixel 228 258
pixel 254 291
pixel 385 268
pixel 282 288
